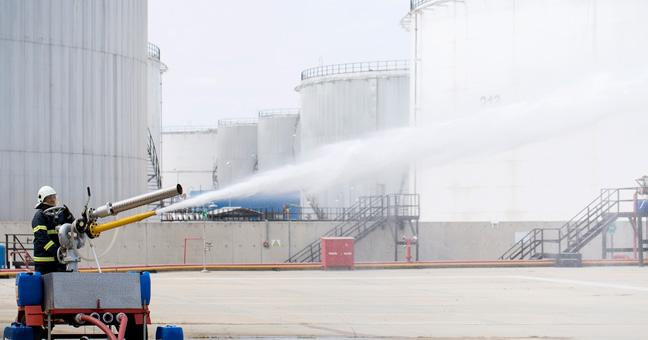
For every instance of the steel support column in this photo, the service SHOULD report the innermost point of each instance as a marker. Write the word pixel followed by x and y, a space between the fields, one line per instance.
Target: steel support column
pixel 640 237
pixel 604 243
pixel 418 240
pixel 395 241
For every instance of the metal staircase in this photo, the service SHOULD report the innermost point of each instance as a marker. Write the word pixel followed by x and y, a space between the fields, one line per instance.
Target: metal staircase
pixel 154 178
pixel 579 231
pixel 367 214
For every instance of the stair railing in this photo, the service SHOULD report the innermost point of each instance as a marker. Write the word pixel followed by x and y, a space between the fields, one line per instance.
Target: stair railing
pixel 155 162
pixel 366 214
pixel 589 218
pixel 360 211
pixel 576 232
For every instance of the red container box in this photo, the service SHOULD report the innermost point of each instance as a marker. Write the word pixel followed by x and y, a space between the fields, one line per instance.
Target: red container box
pixel 337 252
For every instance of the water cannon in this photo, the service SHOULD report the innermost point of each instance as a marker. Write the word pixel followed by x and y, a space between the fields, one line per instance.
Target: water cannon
pixel 73 234
pixel 112 209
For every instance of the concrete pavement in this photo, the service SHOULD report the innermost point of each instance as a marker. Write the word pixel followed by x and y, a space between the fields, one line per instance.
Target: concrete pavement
pixel 497 303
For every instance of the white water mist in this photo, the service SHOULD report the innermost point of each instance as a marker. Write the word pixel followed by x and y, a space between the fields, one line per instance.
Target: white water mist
pixel 489 131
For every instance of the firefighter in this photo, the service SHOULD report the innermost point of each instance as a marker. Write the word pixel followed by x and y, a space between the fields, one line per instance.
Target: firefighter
pixel 46 242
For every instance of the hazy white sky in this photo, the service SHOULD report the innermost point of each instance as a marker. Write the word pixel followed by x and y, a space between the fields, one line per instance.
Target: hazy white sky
pixel 229 59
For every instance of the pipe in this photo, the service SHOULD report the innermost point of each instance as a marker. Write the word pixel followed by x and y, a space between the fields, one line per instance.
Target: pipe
pixel 107 318
pixel 96 258
pixel 123 321
pixel 78 319
pixel 134 202
pixel 634 224
pixel 99 324
pixel 97 229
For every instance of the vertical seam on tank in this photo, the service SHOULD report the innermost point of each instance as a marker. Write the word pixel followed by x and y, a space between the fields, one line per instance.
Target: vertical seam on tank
pixel 50 90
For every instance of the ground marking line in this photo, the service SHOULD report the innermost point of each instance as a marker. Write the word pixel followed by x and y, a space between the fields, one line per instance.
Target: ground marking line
pixel 336 278
pixel 432 277
pixel 580 282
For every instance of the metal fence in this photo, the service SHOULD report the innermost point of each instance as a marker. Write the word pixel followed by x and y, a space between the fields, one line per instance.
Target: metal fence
pixel 370 66
pixel 188 128
pixel 290 214
pixel 18 250
pixel 237 122
pixel 393 205
pixel 153 51
pixel 285 112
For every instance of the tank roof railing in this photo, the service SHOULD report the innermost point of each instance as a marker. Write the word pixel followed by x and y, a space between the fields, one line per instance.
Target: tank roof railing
pixel 368 66
pixel 153 51
pixel 188 128
pixel 237 122
pixel 283 112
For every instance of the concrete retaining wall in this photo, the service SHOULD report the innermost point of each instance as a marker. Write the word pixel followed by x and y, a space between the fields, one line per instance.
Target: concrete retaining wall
pixel 242 242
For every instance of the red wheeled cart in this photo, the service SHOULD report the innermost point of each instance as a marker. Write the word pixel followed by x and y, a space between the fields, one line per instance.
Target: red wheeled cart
pixel 107 301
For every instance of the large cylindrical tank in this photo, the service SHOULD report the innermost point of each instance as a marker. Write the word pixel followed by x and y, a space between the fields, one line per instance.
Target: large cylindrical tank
pixel 73 89
pixel 189 158
pixel 236 147
pixel 349 101
pixel 475 55
pixel 277 138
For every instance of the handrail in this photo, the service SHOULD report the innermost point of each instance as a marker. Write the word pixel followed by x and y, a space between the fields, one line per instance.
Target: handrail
pixel 189 129
pixel 597 199
pixel 367 213
pixel 22 246
pixel 332 232
pixel 339 229
pixel 16 247
pixel 155 161
pixel 294 213
pixel 282 112
pixel 347 68
pixel 309 248
pixel 576 232
pixel 153 51
pixel 237 122
pixel 596 209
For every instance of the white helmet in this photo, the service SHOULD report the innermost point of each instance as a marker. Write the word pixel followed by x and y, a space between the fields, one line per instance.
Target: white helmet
pixel 43 192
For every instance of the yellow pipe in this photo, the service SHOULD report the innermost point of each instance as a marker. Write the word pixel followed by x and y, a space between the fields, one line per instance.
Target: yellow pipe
pixel 97 229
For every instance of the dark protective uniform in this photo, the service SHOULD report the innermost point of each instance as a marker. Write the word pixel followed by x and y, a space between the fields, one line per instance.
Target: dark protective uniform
pixel 46 242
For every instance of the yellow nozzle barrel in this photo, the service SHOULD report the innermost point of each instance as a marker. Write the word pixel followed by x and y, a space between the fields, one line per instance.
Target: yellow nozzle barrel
pixel 97 229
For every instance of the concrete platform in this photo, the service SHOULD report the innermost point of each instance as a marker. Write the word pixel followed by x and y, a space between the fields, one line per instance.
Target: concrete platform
pixel 466 303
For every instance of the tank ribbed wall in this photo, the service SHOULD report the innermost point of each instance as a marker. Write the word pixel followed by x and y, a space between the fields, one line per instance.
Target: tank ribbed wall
pixel 73 88
pixel 344 106
pixel 472 56
pixel 276 138
pixel 236 148
pixel 189 158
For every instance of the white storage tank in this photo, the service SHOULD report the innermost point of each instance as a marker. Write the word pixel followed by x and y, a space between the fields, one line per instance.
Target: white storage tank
pixel 349 101
pixel 473 55
pixel 236 147
pixel 189 158
pixel 73 94
pixel 277 138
